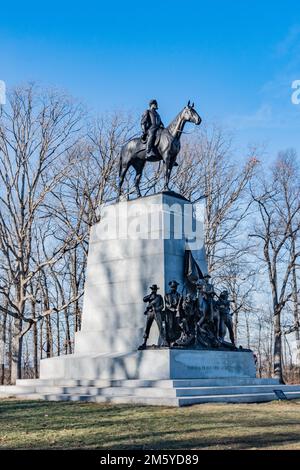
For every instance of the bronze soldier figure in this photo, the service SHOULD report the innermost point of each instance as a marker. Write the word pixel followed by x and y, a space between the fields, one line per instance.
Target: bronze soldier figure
pixel 223 305
pixel 150 124
pixel 207 329
pixel 172 304
pixel 154 312
pixel 205 294
pixel 188 317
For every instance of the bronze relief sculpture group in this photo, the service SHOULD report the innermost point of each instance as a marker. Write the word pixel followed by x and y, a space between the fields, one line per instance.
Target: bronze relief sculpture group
pixel 195 321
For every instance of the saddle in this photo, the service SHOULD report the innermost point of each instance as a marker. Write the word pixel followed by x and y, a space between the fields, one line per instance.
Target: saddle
pixel 144 138
pixel 143 142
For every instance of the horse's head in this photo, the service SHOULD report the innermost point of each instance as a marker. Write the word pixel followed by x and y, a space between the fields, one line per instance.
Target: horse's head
pixel 191 115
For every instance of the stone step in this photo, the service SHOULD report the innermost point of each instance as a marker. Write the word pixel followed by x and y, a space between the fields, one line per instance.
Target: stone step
pixel 130 399
pixel 161 400
pixel 247 390
pixel 99 391
pixel 182 392
pixel 241 398
pixel 154 391
pixel 234 381
pixel 15 390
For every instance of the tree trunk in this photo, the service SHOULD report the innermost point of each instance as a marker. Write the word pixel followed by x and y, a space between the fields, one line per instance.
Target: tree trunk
pixel 35 351
pixel 49 338
pixel 16 351
pixel 35 342
pixel 297 337
pixel 248 332
pixel 74 283
pixel 3 349
pixel 41 339
pixel 259 350
pixel 277 371
pixel 271 352
pixel 296 314
pixel 58 334
pixel 9 350
pixel 77 316
pixel 235 316
pixel 68 345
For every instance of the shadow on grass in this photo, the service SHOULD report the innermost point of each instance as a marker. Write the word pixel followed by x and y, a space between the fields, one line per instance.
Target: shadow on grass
pixel 165 441
pixel 39 424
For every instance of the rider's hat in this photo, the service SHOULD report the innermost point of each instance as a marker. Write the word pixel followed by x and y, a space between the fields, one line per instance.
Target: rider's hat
pixel 152 102
pixel 173 283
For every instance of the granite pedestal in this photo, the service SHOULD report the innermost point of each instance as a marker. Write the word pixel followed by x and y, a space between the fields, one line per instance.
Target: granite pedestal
pixel 121 267
pixel 162 364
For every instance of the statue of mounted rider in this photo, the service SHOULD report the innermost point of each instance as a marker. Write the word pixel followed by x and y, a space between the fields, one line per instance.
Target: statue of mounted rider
pixel 157 143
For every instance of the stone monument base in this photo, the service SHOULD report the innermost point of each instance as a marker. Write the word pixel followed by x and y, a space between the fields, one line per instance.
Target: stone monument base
pixel 151 364
pixel 159 377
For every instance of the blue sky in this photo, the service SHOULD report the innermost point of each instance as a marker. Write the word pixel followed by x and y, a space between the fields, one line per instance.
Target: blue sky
pixel 235 59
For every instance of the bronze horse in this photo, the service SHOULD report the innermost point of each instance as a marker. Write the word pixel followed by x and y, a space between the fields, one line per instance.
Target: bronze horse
pixel 133 153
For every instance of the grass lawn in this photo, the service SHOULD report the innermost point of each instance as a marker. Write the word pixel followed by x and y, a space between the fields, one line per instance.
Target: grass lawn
pixel 52 425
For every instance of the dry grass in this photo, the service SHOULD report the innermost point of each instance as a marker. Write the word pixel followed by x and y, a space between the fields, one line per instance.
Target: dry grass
pixel 51 425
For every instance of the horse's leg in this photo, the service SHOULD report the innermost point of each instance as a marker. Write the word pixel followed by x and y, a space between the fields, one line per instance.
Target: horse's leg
pixel 168 169
pixel 139 171
pixel 122 178
pixel 137 184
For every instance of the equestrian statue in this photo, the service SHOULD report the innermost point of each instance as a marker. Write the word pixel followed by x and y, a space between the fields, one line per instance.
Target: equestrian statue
pixel 157 143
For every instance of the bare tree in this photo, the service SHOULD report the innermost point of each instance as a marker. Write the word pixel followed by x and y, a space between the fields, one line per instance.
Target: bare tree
pixel 277 198
pixel 239 278
pixel 38 132
pixel 3 337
